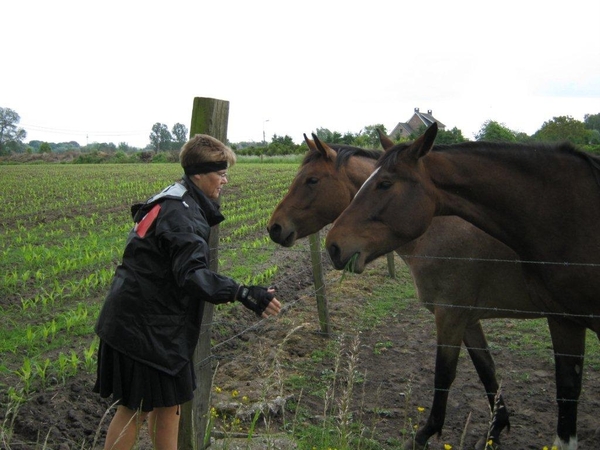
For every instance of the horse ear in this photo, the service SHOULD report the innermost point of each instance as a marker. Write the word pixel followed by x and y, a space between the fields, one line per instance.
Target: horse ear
pixel 310 143
pixel 323 148
pixel 386 142
pixel 425 142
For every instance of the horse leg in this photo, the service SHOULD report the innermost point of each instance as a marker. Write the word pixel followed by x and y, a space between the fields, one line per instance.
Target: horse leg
pixel 568 341
pixel 483 361
pixel 450 331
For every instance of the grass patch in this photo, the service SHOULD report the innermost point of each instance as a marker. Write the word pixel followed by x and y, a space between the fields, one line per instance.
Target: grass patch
pixel 388 297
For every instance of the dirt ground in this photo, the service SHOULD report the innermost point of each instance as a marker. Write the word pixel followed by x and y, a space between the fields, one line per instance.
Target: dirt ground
pixel 394 362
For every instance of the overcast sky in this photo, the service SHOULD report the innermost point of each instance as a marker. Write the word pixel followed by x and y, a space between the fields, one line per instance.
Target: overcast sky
pixel 106 71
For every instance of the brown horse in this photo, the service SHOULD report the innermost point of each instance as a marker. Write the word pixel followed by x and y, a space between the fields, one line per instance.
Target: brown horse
pixel 543 202
pixel 327 181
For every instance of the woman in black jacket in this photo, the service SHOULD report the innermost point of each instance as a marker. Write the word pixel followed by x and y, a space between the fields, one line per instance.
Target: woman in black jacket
pixel 150 321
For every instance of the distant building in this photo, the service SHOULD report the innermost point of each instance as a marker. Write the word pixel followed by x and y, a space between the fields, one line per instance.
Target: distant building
pixel 414 124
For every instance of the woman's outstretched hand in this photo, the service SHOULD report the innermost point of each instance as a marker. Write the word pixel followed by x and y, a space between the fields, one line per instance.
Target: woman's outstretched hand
pixel 259 299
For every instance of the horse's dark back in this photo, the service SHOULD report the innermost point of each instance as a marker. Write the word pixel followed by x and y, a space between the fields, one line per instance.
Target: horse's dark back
pixel 542 201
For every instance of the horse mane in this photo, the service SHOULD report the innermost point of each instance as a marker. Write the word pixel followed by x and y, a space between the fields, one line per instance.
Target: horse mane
pixel 344 153
pixel 594 161
pixel 391 157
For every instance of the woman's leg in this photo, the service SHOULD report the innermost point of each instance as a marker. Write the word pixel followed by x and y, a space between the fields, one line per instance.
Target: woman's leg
pixel 163 424
pixel 124 428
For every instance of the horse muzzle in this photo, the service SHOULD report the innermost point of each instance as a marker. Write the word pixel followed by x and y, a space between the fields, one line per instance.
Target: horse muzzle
pixel 278 236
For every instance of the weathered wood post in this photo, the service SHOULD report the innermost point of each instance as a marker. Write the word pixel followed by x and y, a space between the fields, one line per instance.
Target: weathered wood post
pixel 209 116
pixel 317 268
pixel 391 265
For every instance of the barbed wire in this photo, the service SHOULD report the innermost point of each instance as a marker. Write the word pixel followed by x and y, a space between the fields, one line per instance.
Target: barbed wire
pixel 336 280
pixel 512 261
pixel 325 255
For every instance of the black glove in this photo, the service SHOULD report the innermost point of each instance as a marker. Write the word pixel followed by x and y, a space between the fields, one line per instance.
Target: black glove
pixel 256 298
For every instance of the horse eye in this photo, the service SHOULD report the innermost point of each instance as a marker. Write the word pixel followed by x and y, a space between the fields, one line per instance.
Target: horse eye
pixel 312 180
pixel 384 185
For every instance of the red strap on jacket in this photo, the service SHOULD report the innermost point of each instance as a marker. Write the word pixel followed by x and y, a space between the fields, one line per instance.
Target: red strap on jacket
pixel 142 227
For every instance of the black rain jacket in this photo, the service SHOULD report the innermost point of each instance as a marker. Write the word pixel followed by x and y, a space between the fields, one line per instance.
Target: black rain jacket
pixel 153 310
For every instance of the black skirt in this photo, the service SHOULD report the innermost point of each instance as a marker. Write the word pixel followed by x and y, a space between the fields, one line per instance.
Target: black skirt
pixel 139 386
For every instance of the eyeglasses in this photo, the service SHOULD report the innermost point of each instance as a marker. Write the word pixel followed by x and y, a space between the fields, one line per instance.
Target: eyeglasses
pixel 222 174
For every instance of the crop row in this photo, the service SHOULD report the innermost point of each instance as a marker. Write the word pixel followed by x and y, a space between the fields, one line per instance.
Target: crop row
pixel 62 232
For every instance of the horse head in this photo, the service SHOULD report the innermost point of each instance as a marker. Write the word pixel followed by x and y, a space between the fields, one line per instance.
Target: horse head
pixel 394 206
pixel 317 196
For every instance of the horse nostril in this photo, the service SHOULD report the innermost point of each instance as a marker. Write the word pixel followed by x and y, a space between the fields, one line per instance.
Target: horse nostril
pixel 334 252
pixel 275 232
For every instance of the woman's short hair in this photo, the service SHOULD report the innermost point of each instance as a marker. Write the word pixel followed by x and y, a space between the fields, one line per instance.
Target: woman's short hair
pixel 203 148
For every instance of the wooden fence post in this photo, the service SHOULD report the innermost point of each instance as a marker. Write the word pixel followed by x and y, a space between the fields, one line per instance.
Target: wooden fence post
pixel 317 268
pixel 209 116
pixel 391 265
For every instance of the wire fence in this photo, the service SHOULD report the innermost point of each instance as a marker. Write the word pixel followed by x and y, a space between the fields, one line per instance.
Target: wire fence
pixel 334 281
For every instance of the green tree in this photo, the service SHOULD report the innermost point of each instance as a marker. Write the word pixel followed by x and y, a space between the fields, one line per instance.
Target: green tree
pixel 125 147
pixel 495 132
pixel 523 137
pixel 160 138
pixel 281 145
pixel 348 138
pixel 45 148
pixel 594 137
pixel 11 136
pixel 180 134
pixel 453 136
pixel 328 136
pixel 368 137
pixel 563 128
pixel 100 147
pixel 592 121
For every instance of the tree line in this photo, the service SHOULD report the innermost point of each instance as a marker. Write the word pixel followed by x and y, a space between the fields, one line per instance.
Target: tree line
pixel 164 144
